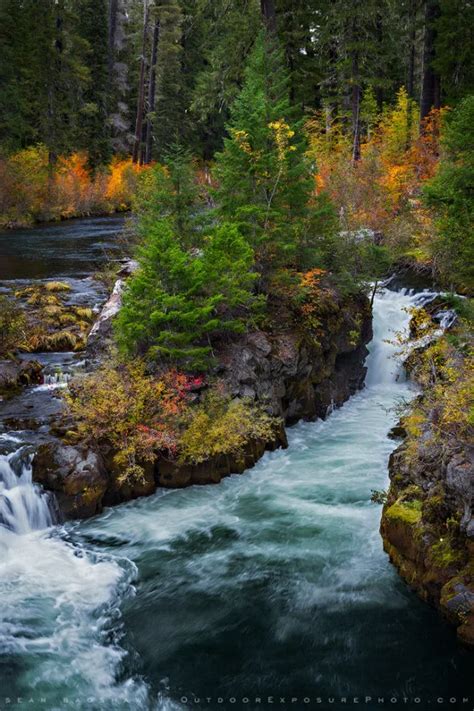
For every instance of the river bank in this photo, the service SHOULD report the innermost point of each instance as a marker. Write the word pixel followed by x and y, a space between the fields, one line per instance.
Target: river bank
pixel 271 583
pixel 427 522
pixel 297 536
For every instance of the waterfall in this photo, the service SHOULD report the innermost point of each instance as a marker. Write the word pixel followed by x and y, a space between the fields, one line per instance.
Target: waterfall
pixel 391 319
pixel 54 380
pixel 24 506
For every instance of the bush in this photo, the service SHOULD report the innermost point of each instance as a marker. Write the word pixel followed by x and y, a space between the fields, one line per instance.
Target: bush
pixel 143 419
pixel 446 409
pixel 33 191
pixel 221 426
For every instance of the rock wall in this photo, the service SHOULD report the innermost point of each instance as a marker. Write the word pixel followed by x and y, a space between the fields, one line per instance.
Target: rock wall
pixel 428 529
pixel 293 374
pixel 427 522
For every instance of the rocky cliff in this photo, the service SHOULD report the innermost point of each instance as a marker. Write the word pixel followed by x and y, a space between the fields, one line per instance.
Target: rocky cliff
pixel 427 522
pixel 292 372
pixel 428 529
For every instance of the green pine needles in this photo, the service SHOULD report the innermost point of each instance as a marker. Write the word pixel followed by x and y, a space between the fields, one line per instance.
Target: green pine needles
pixel 180 298
pixel 264 177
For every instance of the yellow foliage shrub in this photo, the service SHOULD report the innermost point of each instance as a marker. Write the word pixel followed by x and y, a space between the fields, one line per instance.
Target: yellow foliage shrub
pixel 224 426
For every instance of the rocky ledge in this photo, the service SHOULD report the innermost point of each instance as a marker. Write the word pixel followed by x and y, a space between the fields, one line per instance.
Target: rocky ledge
pixel 427 521
pixel 294 374
pixel 428 529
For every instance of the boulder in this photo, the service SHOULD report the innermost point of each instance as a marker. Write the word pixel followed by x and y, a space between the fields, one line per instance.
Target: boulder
pixel 16 374
pixel 76 475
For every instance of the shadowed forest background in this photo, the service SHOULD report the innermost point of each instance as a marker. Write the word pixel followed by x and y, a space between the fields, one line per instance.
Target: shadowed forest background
pixel 94 91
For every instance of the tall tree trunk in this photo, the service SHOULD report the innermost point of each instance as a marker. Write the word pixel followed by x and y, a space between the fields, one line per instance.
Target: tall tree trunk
pixel 412 50
pixel 355 95
pixel 269 14
pixel 141 90
pixel 151 92
pixel 52 90
pixel 430 82
pixel 355 101
pixel 113 7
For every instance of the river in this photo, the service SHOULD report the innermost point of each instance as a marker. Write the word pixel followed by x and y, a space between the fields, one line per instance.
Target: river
pixel 271 584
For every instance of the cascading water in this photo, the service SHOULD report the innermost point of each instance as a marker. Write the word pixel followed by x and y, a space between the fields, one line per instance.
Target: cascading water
pixel 273 583
pixel 24 507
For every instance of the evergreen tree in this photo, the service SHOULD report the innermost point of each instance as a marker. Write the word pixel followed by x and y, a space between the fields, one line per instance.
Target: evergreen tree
pixel 171 122
pixel 264 177
pixel 178 300
pixel 450 193
pixel 95 134
pixel 219 37
pixel 171 192
pixel 454 58
pixel 165 313
pixel 43 74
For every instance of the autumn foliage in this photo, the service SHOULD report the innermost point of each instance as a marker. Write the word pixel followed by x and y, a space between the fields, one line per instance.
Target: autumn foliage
pixel 145 416
pixel 33 191
pixel 381 191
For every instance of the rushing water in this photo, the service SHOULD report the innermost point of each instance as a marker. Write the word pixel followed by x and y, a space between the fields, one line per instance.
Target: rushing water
pixel 272 583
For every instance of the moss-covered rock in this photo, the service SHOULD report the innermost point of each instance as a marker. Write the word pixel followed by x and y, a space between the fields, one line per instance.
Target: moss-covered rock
pixel 427 527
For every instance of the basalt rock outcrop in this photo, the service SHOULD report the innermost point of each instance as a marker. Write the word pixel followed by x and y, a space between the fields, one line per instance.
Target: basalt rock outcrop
pixel 428 529
pixel 298 376
pixel 76 475
pixel 294 374
pixel 427 522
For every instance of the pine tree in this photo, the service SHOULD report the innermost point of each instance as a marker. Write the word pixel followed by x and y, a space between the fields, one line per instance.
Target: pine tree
pixel 164 313
pixel 171 192
pixel 194 284
pixel 264 178
pixel 430 85
pixel 219 37
pixel 171 119
pixel 42 65
pixel 454 58
pixel 450 194
pixel 178 299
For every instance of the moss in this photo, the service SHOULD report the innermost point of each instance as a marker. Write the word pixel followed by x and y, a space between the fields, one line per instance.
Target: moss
pixel 72 437
pixel 51 311
pixel 67 318
pixel 61 340
pixel 412 493
pixel 407 511
pixel 57 286
pixel 444 555
pixel 84 313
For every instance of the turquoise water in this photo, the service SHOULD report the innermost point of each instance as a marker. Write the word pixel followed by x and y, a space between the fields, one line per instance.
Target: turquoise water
pixel 271 584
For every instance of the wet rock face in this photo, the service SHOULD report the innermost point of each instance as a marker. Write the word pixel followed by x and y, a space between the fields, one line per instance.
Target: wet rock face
pixel 14 375
pixel 293 375
pixel 428 528
pixel 298 377
pixel 76 475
